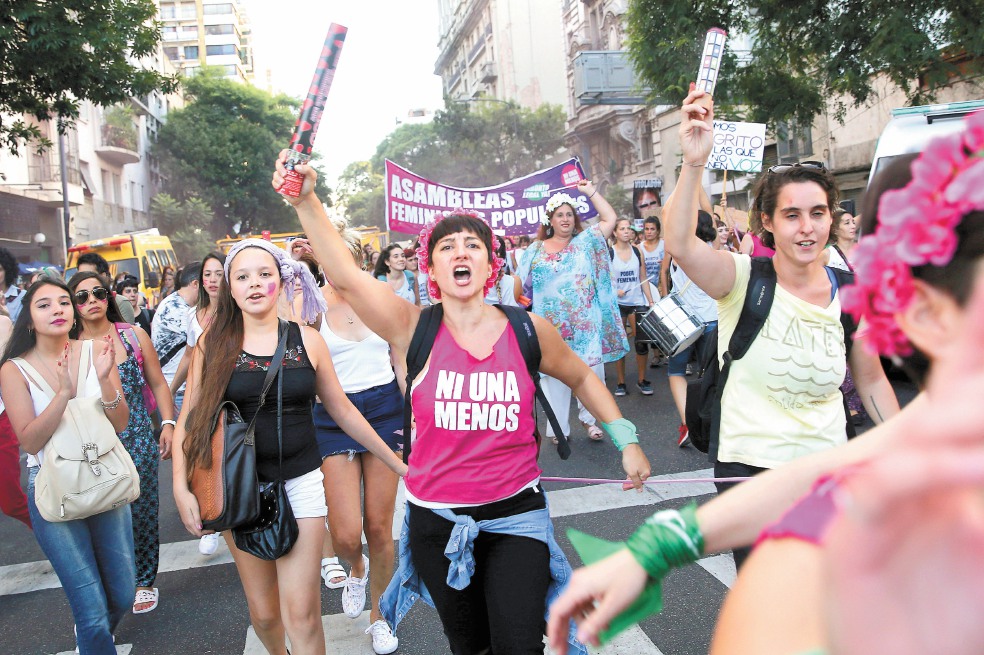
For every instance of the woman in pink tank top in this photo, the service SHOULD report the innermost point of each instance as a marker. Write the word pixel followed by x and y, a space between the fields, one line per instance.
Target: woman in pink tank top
pixel 473 464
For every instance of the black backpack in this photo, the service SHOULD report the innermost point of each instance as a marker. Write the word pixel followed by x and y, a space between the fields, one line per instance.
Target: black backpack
pixel 423 341
pixel 635 249
pixel 703 407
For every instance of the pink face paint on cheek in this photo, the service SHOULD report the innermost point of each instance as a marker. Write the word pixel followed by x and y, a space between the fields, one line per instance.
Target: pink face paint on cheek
pixel 271 288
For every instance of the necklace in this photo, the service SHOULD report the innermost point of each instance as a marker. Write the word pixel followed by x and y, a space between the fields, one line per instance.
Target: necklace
pixel 339 303
pixel 37 356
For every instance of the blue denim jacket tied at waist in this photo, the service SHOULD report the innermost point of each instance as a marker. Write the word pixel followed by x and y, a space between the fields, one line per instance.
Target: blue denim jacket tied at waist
pixel 406 586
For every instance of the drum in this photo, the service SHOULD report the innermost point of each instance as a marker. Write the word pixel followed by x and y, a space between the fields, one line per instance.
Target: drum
pixel 670 324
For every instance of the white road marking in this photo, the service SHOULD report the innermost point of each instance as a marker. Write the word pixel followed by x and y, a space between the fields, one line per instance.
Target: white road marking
pixel 121 649
pixel 183 555
pixel 721 567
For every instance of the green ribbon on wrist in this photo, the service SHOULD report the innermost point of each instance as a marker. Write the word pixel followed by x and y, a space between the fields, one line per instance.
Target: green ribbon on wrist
pixel 668 539
pixel 622 431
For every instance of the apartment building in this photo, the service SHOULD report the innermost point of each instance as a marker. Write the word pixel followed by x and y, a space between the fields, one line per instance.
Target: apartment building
pixel 200 33
pixel 508 50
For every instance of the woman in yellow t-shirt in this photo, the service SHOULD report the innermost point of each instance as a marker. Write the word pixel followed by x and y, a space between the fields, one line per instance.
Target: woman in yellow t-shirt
pixel 782 400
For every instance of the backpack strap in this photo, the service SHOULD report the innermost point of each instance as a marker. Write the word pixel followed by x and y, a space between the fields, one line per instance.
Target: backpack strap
pixel 759 294
pixel 417 354
pixel 529 346
pixel 845 279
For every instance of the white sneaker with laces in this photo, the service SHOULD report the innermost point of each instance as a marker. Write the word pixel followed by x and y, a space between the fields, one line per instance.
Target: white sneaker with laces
pixel 354 593
pixel 208 544
pixel 383 639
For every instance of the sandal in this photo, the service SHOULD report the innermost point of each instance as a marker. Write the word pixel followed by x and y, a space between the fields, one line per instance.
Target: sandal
pixel 145 596
pixel 333 573
pixel 595 433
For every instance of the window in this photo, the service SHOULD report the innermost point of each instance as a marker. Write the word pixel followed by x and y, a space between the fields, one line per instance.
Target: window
pixel 213 10
pixel 171 53
pixel 230 70
pixel 224 49
pixel 167 11
pixel 189 31
pixel 191 52
pixel 213 30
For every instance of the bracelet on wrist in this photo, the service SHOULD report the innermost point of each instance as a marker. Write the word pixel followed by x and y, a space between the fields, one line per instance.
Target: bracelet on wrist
pixel 592 194
pixel 169 421
pixel 112 404
pixel 692 165
pixel 622 431
pixel 668 539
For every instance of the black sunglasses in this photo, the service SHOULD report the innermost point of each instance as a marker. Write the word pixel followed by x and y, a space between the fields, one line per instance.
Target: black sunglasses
pixel 99 293
pixel 781 168
pixel 651 203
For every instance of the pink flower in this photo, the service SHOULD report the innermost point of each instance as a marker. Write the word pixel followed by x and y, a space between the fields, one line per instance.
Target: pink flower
pixel 974 136
pixel 966 191
pixel 936 165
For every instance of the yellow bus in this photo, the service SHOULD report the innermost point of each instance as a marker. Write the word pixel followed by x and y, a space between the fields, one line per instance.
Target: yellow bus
pixel 142 254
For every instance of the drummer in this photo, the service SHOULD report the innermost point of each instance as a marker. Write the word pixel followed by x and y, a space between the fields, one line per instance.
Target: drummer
pixel 705 308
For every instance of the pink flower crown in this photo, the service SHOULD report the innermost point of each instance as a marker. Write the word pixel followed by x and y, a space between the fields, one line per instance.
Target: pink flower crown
pixel 423 263
pixel 915 227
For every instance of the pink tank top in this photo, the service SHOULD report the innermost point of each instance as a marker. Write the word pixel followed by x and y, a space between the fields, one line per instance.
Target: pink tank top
pixel 475 425
pixel 759 249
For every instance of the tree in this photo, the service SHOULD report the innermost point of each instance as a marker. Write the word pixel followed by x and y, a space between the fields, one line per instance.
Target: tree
pixel 477 143
pixel 805 53
pixel 187 224
pixel 54 55
pixel 221 148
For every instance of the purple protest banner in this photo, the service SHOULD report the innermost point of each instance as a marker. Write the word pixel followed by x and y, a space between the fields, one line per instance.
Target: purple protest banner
pixel 514 207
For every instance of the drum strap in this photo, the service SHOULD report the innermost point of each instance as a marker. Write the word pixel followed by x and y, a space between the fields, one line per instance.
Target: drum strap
pixel 423 341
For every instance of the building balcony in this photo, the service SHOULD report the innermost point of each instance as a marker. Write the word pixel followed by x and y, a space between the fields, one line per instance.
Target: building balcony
pixel 118 146
pixel 488 73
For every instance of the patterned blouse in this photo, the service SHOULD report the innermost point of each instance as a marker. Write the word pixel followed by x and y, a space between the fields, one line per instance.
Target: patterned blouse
pixel 573 290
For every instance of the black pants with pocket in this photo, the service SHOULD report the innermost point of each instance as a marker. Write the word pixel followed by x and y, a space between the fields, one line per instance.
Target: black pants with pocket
pixel 735 470
pixel 501 610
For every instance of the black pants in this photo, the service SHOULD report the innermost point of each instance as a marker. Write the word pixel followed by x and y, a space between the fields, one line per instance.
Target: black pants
pixel 735 470
pixel 501 610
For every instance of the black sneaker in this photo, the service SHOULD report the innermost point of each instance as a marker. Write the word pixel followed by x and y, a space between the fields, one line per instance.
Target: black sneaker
pixel 620 390
pixel 645 387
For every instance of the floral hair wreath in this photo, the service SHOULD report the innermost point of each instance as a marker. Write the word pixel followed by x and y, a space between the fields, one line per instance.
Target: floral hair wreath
pixel 423 263
pixel 916 227
pixel 555 201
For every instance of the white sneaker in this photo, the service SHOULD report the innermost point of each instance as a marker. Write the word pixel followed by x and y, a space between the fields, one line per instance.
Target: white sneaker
pixel 209 544
pixel 383 639
pixel 354 593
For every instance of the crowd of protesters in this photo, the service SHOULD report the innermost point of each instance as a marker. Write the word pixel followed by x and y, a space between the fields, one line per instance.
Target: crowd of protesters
pixel 349 321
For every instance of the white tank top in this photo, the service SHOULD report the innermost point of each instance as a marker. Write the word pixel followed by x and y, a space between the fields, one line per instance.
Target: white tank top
pixel 41 399
pixel 653 260
pixel 626 277
pixel 503 293
pixel 360 365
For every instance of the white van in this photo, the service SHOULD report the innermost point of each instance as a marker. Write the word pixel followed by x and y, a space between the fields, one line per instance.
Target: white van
pixel 911 128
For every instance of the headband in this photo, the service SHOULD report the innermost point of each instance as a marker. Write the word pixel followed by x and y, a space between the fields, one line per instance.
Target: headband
pixel 423 263
pixel 916 226
pixel 290 270
pixel 555 201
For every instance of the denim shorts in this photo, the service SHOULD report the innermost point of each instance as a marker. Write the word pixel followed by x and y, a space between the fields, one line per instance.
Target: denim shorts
pixel 678 362
pixel 382 406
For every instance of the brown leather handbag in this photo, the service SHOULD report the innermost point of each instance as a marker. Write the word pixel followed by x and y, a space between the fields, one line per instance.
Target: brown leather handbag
pixel 228 491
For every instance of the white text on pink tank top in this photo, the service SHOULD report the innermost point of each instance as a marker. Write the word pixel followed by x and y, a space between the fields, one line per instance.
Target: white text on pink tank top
pixel 475 425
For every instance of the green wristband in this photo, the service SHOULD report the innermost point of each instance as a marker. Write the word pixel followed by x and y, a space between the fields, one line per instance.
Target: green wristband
pixel 668 539
pixel 622 431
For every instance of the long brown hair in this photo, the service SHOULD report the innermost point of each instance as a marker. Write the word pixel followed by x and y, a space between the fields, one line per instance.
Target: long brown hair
pixel 219 348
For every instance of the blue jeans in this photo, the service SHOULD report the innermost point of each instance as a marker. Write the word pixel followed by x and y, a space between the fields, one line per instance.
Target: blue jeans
pixel 93 559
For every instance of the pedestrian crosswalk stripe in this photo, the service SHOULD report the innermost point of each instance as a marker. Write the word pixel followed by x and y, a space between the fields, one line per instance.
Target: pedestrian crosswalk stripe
pixel 183 555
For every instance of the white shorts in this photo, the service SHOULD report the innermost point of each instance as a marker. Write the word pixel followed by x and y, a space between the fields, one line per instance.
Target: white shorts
pixel 306 494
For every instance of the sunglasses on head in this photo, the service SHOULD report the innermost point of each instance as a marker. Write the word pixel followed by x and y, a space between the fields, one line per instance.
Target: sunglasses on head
pixel 99 293
pixel 781 168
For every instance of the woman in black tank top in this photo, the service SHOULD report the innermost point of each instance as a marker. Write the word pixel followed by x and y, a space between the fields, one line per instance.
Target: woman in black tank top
pixel 236 352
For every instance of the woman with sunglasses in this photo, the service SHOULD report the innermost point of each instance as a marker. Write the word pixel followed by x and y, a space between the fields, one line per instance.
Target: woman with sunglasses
pixel 138 367
pixel 92 557
pixel 782 400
